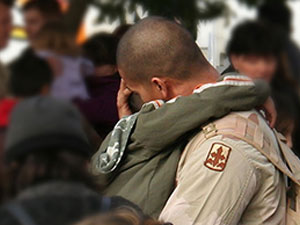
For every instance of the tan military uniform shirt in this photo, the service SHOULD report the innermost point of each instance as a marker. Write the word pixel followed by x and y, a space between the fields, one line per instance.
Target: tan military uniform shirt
pixel 224 180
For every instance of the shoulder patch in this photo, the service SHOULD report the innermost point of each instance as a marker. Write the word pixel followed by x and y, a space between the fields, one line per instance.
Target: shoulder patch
pixel 217 157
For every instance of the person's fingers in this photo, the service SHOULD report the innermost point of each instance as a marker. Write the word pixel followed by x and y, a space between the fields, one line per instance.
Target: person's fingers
pixel 122 100
pixel 122 85
pixel 271 113
pixel 127 92
pixel 123 94
pixel 273 119
pixel 124 91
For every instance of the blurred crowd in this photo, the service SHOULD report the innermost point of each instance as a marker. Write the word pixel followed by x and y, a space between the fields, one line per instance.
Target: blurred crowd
pixel 58 102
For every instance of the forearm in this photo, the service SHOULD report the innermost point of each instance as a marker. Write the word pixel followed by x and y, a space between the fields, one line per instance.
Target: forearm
pixel 158 128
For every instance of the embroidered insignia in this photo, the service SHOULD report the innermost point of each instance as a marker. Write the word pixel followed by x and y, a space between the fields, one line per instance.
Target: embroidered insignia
pixel 217 157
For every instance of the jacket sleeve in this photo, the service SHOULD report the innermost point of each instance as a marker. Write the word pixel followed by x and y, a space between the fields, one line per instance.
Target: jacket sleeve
pixel 158 128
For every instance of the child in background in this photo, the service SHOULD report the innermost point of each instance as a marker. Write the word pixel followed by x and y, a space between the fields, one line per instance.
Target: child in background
pixel 254 50
pixel 58 47
pixel 103 84
pixel 30 76
pixel 257 50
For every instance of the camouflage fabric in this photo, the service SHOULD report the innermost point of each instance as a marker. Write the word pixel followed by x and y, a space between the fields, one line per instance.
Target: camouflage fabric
pixel 112 155
pixel 143 167
pixel 110 158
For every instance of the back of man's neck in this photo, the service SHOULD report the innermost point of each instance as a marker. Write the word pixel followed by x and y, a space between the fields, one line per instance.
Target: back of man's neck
pixel 187 87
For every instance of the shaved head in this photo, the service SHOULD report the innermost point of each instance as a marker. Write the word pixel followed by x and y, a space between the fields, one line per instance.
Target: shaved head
pixel 159 47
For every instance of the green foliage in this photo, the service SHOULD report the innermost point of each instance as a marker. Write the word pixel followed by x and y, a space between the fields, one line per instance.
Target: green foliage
pixel 189 12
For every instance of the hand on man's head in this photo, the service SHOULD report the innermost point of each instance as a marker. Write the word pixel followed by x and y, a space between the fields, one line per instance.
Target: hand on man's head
pixel 123 100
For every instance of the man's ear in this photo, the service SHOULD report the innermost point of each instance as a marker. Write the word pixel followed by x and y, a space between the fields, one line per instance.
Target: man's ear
pixel 160 87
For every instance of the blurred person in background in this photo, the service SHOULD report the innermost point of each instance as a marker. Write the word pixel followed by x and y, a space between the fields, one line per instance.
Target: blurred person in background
pixel 5 29
pixel 29 76
pixel 103 84
pixel 47 156
pixel 276 13
pixel 257 50
pixel 58 47
pixel 39 12
pixel 5 104
pixel 254 50
pixel 64 59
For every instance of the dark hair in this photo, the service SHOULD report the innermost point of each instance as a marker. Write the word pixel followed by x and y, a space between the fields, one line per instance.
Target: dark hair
pixel 43 166
pixel 251 37
pixel 121 30
pixel 275 12
pixel 101 49
pixel 8 3
pixel 286 102
pixel 287 105
pixel 29 74
pixel 48 8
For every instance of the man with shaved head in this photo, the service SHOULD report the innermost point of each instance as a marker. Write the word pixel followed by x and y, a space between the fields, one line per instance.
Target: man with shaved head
pixel 163 54
pixel 174 158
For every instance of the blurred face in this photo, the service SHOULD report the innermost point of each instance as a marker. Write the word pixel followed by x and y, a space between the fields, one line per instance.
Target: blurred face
pixel 254 66
pixel 5 25
pixel 34 21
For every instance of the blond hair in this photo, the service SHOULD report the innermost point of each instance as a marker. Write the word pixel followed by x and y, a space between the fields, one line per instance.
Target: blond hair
pixel 54 37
